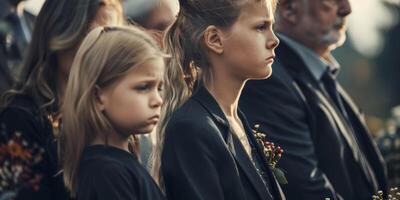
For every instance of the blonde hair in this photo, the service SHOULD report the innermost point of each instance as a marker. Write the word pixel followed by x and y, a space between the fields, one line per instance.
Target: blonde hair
pixel 189 63
pixel 106 54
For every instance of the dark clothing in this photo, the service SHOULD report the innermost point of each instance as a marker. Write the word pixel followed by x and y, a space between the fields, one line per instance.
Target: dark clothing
pixel 110 173
pixel 6 79
pixel 328 154
pixel 14 40
pixel 203 160
pixel 27 140
pixel 15 36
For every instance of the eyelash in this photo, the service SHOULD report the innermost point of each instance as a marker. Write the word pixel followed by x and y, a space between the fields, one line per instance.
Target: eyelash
pixel 161 88
pixel 262 27
pixel 147 87
pixel 142 87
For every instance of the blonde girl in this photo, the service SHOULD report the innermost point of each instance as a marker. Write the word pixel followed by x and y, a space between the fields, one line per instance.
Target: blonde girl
pixel 113 93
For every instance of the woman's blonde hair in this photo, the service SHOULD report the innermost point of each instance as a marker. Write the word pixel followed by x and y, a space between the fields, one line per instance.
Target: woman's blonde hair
pixel 106 54
pixel 189 63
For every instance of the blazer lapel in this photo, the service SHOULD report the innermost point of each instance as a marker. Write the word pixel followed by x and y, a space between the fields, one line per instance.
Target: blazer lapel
pixel 372 151
pixel 203 97
pixel 312 89
pixel 349 103
pixel 261 157
pixel 338 119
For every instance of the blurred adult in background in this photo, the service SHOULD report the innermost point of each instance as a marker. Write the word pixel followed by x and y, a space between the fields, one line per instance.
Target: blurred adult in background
pixel 389 144
pixel 151 14
pixel 329 152
pixel 16 26
pixel 155 16
pixel 30 116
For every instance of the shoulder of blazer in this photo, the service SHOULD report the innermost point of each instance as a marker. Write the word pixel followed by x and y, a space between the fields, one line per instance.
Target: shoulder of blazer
pixel 202 111
pixel 190 112
pixel 194 117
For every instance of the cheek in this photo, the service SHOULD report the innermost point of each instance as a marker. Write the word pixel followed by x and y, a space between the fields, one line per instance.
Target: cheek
pixel 326 19
pixel 128 108
pixel 249 56
pixel 247 49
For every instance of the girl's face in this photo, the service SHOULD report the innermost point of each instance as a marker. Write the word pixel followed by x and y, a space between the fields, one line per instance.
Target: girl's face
pixel 134 102
pixel 249 44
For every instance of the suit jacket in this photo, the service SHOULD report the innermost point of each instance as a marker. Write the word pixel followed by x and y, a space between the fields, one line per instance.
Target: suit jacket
pixel 321 159
pixel 201 159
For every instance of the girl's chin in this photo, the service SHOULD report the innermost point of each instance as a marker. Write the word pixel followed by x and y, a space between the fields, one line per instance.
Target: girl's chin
pixel 263 74
pixel 145 130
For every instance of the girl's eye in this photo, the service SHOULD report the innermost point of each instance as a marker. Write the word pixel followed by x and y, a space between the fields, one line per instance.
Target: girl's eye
pixel 262 27
pixel 160 89
pixel 142 88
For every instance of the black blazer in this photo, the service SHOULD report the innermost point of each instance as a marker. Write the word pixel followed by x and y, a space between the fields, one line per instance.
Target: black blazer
pixel 201 160
pixel 320 158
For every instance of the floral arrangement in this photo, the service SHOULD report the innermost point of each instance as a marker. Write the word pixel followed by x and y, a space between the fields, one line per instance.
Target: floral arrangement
pixel 272 152
pixel 17 158
pixel 394 194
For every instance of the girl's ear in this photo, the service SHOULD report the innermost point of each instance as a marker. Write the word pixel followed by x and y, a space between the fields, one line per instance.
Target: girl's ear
pixel 213 39
pixel 100 98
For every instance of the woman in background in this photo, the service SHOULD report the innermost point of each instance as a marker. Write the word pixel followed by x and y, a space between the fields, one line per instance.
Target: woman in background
pixel 30 116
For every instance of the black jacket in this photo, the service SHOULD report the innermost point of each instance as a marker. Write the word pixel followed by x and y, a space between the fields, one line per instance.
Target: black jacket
pixel 320 157
pixel 32 135
pixel 201 159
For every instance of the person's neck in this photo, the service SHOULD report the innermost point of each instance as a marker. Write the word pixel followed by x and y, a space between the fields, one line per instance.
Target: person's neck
pixel 113 139
pixel 20 8
pixel 226 90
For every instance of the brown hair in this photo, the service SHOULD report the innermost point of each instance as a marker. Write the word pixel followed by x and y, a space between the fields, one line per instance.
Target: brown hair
pixel 60 25
pixel 184 42
pixel 105 56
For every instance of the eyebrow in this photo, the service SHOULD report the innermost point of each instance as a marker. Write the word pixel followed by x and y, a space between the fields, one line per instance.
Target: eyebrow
pixel 149 79
pixel 268 20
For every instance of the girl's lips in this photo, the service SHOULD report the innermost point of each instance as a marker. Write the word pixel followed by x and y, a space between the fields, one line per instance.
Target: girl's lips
pixel 270 59
pixel 154 119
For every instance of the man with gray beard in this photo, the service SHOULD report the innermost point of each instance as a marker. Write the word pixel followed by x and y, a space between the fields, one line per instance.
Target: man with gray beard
pixel 329 152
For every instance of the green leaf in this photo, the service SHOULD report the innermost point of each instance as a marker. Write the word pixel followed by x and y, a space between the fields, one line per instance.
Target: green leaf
pixel 280 176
